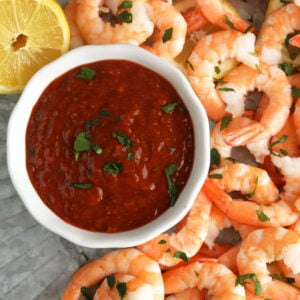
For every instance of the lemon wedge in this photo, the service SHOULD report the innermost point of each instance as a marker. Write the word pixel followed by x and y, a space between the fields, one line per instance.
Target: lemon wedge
pixel 32 34
pixel 273 5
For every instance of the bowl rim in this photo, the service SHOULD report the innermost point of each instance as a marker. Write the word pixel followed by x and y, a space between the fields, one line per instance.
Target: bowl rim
pixel 16 154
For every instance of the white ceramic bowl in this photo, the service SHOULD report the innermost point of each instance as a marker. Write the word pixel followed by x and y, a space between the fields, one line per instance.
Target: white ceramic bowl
pixel 16 156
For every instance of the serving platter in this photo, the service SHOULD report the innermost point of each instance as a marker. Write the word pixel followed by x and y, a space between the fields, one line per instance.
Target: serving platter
pixel 35 263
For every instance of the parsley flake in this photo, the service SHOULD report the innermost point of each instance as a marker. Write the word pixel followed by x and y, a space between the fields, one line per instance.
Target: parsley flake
pixel 169 171
pixel 215 176
pixel 181 255
pixel 241 279
pixel 86 73
pixel 122 289
pixel 262 216
pixel 113 168
pixel 81 185
pixel 167 35
pixel 168 108
pixel 215 157
pixel 226 89
pixel 111 281
pixel 225 122
pixel 282 139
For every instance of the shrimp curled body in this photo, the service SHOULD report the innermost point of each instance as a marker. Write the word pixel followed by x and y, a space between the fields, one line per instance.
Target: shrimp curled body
pixel 217 278
pixel 96 31
pixel 206 57
pixel 263 246
pixel 125 261
pixel 189 239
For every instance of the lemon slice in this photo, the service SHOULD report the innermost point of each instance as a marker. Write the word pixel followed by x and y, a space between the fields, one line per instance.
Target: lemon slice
pixel 273 5
pixel 32 34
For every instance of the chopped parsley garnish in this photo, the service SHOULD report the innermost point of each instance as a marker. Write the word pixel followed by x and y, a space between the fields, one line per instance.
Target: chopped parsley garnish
pixel 124 15
pixel 292 51
pixel 181 255
pixel 82 143
pixel 167 35
pixel 225 122
pixel 81 185
pixel 169 171
pixel 113 168
pixel 84 292
pixel 131 156
pixel 287 68
pixel 226 89
pixel 162 242
pixel 91 123
pixel 240 280
pixel 86 73
pixel 231 25
pixel 190 65
pixel 217 70
pixel 295 92
pixel 215 176
pixel 123 139
pixel 168 108
pixel 282 139
pixel 122 289
pixel 104 113
pixel 262 216
pixel 125 4
pixel 290 280
pixel 215 157
pixel 111 281
pixel 84 254
pixel 231 159
pixel 252 194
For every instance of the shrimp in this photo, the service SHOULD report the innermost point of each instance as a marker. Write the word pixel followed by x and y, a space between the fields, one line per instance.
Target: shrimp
pixel 217 222
pixel 169 37
pixel 134 29
pixel 289 146
pixel 296 119
pixel 127 261
pixel 189 293
pixel 215 277
pixel 76 39
pixel 187 240
pixel 269 79
pixel 274 30
pixel 135 288
pixel 295 41
pixel 263 246
pixel 295 82
pixel 290 168
pixel 215 12
pixel 228 258
pixel 279 213
pixel 251 181
pixel 205 60
pixel 223 149
pixel 194 20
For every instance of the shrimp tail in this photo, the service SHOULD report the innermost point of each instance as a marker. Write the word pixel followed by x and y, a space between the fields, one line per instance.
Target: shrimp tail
pixel 245 135
pixel 195 20
pixel 295 41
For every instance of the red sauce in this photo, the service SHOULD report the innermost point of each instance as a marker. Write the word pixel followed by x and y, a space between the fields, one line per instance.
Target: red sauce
pixel 97 148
